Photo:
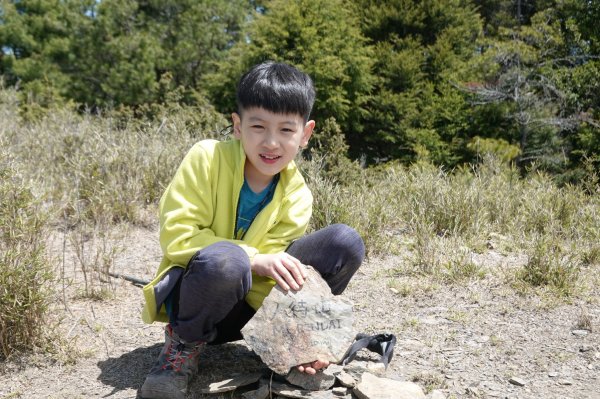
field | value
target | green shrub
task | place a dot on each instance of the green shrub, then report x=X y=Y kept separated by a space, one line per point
x=550 y=265
x=25 y=273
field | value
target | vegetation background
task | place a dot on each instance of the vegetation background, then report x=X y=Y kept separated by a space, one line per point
x=445 y=128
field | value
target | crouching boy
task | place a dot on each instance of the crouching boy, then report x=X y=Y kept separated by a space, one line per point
x=232 y=224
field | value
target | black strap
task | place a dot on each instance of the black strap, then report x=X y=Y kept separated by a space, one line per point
x=379 y=343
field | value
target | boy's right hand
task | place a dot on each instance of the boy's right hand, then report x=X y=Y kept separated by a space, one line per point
x=286 y=270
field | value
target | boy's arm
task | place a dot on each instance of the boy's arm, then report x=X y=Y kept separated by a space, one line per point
x=187 y=206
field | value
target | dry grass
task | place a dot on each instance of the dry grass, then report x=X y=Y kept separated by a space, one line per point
x=90 y=172
x=25 y=273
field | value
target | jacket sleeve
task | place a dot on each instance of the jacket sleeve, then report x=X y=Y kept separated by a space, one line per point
x=292 y=223
x=186 y=210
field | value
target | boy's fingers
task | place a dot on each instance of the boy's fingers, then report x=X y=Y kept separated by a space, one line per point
x=309 y=370
x=280 y=281
x=298 y=264
x=289 y=279
x=320 y=364
x=295 y=270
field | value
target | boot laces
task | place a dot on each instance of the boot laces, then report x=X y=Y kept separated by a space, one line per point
x=178 y=354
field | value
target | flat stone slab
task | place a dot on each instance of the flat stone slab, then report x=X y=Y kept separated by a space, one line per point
x=288 y=391
x=372 y=387
x=232 y=384
x=261 y=393
x=302 y=326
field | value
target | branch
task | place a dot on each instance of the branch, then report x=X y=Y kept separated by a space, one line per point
x=584 y=117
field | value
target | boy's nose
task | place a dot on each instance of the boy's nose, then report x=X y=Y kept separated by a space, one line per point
x=270 y=141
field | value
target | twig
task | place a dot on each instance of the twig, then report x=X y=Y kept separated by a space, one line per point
x=131 y=279
x=73 y=326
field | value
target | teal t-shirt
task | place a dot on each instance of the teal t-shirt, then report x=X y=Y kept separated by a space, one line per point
x=250 y=204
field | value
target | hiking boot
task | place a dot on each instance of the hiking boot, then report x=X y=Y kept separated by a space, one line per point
x=175 y=367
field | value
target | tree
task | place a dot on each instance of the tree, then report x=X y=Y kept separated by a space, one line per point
x=531 y=71
x=420 y=48
x=35 y=43
x=135 y=48
x=320 y=37
x=104 y=53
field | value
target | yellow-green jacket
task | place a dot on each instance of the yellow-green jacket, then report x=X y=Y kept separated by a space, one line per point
x=199 y=207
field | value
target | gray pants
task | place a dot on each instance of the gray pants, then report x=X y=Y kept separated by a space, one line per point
x=207 y=303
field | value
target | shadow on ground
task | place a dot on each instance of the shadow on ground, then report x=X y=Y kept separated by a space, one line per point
x=129 y=370
x=217 y=363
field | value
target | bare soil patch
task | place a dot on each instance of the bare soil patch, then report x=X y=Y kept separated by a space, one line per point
x=468 y=338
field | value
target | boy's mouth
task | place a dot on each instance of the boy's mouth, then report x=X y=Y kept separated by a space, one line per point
x=269 y=158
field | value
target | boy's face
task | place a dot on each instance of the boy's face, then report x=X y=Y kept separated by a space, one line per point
x=270 y=141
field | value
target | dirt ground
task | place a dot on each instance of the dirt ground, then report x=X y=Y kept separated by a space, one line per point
x=468 y=339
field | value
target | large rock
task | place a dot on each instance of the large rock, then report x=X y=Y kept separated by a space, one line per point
x=302 y=326
x=372 y=387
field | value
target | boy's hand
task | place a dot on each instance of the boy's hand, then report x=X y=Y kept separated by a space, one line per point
x=286 y=270
x=312 y=368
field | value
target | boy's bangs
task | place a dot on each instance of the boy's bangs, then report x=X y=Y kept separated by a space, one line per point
x=276 y=97
x=276 y=87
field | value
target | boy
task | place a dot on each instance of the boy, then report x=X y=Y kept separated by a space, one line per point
x=231 y=227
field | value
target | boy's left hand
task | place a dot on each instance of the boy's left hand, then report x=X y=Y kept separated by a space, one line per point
x=312 y=368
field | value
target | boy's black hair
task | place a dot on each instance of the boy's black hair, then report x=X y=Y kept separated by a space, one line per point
x=276 y=87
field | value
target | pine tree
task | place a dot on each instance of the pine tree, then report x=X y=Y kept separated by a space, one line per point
x=320 y=37
x=421 y=48
x=107 y=53
x=35 y=43
x=531 y=71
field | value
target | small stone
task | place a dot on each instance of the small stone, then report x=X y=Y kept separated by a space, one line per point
x=565 y=382
x=289 y=391
x=372 y=387
x=395 y=291
x=517 y=381
x=580 y=333
x=298 y=327
x=436 y=394
x=472 y=391
x=483 y=339
x=340 y=391
x=585 y=348
x=552 y=374
x=261 y=393
x=346 y=379
x=321 y=381
x=376 y=368
x=335 y=368
x=357 y=368
x=232 y=384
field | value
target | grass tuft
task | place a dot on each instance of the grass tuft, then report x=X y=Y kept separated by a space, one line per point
x=25 y=272
x=550 y=265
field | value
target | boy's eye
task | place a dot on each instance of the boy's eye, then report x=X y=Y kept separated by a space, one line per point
x=286 y=130
x=257 y=127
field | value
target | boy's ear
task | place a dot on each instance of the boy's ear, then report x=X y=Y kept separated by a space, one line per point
x=237 y=125
x=308 y=131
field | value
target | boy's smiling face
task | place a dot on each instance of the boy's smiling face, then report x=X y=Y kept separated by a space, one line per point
x=270 y=142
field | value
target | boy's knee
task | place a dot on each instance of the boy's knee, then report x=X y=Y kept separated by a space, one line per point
x=348 y=240
x=223 y=260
